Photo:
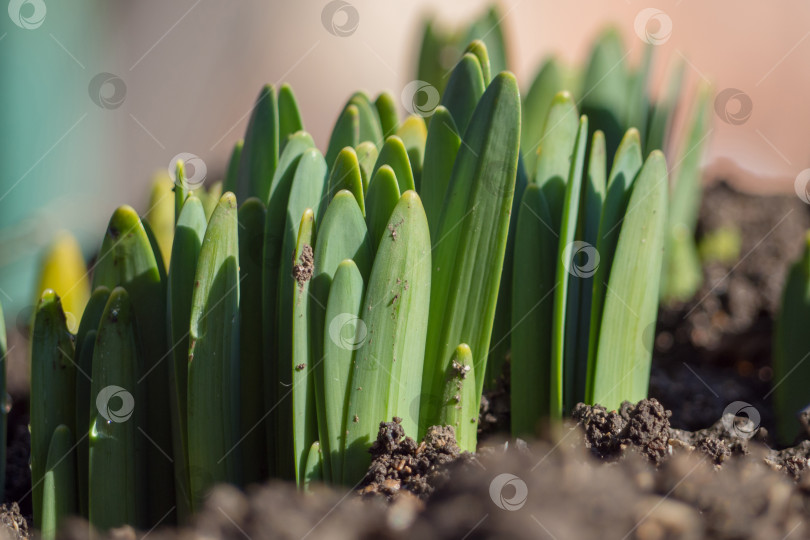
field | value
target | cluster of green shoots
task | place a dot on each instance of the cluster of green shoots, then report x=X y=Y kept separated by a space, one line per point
x=265 y=327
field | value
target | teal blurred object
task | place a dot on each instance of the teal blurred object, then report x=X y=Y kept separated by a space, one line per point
x=55 y=138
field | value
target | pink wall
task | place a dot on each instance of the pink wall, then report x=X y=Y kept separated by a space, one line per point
x=193 y=68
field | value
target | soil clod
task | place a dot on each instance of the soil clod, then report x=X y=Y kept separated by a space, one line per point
x=400 y=464
x=302 y=271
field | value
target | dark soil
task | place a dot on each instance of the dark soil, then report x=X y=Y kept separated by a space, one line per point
x=644 y=426
x=555 y=489
x=494 y=415
x=401 y=464
x=17 y=489
x=716 y=349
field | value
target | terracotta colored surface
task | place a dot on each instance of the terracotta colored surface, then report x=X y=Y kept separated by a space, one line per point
x=191 y=82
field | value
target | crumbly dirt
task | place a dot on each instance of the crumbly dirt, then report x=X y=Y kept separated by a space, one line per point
x=644 y=426
x=553 y=489
x=401 y=464
x=13 y=525
x=303 y=269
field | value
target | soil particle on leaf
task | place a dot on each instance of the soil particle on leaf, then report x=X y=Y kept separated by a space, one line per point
x=644 y=426
x=393 y=228
x=400 y=464
x=303 y=269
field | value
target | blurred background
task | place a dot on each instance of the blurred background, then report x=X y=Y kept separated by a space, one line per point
x=99 y=95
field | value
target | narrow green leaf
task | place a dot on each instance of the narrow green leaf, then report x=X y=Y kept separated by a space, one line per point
x=469 y=252
x=344 y=332
x=626 y=166
x=790 y=371
x=127 y=258
x=366 y=156
x=231 y=174
x=441 y=148
x=161 y=213
x=388 y=367
x=211 y=198
x=296 y=145
x=532 y=313
x=118 y=493
x=53 y=383
x=502 y=325
x=345 y=133
x=554 y=154
x=313 y=472
x=253 y=446
x=683 y=274
x=301 y=372
x=289 y=117
x=213 y=376
x=346 y=175
x=459 y=402
x=260 y=153
x=479 y=49
x=393 y=153
x=60 y=491
x=489 y=30
x=155 y=247
x=370 y=128
x=181 y=190
x=306 y=193
x=545 y=86
x=605 y=95
x=594 y=197
x=342 y=235
x=622 y=367
x=383 y=195
x=182 y=270
x=569 y=275
x=386 y=107
x=275 y=231
x=637 y=94
x=413 y=133
x=464 y=89
x=83 y=357
x=429 y=67
x=660 y=120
